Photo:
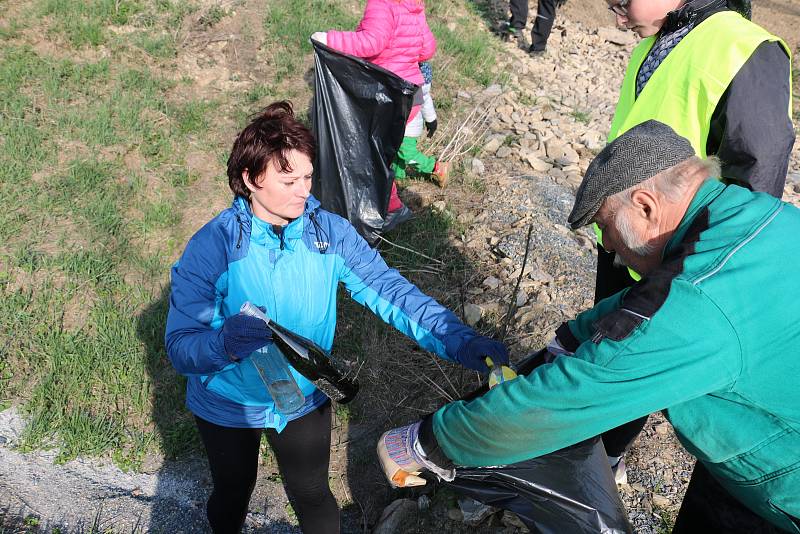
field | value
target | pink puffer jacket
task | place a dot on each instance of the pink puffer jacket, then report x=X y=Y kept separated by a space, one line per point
x=393 y=34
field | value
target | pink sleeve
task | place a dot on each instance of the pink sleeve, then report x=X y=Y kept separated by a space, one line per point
x=428 y=43
x=372 y=35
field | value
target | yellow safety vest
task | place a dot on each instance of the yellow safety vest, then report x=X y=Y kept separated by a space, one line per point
x=686 y=87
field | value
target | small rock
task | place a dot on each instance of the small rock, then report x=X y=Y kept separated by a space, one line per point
x=439 y=205
x=503 y=152
x=474 y=512
x=510 y=519
x=660 y=501
x=472 y=314
x=492 y=145
x=568 y=157
x=463 y=95
x=491 y=282
x=613 y=35
x=537 y=164
x=492 y=90
x=478 y=168
x=662 y=429
x=395 y=516
x=424 y=502
x=522 y=299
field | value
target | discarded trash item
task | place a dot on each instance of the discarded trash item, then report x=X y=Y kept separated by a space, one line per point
x=358 y=117
x=311 y=361
x=498 y=375
x=474 y=512
x=274 y=370
x=568 y=491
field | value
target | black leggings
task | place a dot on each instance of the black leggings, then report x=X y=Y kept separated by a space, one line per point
x=302 y=450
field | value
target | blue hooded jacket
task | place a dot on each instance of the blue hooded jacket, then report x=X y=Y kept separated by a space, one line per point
x=237 y=257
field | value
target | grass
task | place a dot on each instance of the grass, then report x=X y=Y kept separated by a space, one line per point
x=581 y=116
x=96 y=123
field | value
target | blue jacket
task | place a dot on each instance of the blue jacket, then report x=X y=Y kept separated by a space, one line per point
x=237 y=257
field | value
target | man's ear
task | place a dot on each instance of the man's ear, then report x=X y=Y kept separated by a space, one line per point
x=646 y=205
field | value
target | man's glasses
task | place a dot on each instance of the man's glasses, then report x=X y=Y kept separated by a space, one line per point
x=621 y=8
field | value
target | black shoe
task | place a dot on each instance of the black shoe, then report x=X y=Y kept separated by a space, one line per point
x=395 y=218
x=522 y=41
x=536 y=53
x=503 y=30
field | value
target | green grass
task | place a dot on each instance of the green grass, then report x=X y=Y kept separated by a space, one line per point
x=581 y=116
x=95 y=129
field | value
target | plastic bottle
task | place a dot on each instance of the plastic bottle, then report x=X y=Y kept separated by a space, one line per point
x=274 y=370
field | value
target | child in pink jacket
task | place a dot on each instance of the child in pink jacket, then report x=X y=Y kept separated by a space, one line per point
x=393 y=34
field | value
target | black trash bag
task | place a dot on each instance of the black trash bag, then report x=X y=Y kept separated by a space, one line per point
x=359 y=118
x=567 y=491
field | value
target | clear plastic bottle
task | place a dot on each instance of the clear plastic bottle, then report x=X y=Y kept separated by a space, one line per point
x=274 y=370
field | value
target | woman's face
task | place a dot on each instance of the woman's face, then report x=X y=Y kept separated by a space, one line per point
x=645 y=17
x=282 y=195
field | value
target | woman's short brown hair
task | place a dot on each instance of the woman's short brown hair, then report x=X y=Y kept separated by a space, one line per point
x=270 y=134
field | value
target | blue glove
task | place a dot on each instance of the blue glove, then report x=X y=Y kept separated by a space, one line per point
x=242 y=335
x=473 y=353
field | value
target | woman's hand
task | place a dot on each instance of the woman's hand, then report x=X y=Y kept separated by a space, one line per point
x=473 y=353
x=243 y=334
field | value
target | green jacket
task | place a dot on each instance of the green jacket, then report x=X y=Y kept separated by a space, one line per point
x=712 y=337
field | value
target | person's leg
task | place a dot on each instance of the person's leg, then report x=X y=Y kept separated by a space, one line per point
x=545 y=16
x=619 y=439
x=233 y=460
x=302 y=450
x=708 y=507
x=519 y=13
x=410 y=154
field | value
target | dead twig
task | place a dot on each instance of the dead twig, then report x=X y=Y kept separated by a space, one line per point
x=512 y=304
x=440 y=262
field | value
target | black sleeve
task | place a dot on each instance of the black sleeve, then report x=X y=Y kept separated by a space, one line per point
x=751 y=131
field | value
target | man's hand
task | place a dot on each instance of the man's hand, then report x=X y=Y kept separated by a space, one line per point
x=431 y=127
x=243 y=334
x=399 y=461
x=473 y=353
x=320 y=37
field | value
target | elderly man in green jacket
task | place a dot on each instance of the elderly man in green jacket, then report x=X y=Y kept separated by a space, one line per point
x=710 y=335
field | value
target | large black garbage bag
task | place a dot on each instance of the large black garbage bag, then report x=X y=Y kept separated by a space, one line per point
x=568 y=491
x=359 y=117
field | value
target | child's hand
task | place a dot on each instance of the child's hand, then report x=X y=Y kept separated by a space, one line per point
x=431 y=127
x=320 y=37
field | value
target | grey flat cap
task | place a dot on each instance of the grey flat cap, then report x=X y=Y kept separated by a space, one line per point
x=638 y=154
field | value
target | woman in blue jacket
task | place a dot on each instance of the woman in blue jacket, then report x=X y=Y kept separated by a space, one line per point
x=277 y=248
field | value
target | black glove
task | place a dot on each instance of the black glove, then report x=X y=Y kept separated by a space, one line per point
x=431 y=127
x=242 y=335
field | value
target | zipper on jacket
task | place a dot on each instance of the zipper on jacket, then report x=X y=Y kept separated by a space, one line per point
x=279 y=232
x=239 y=241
